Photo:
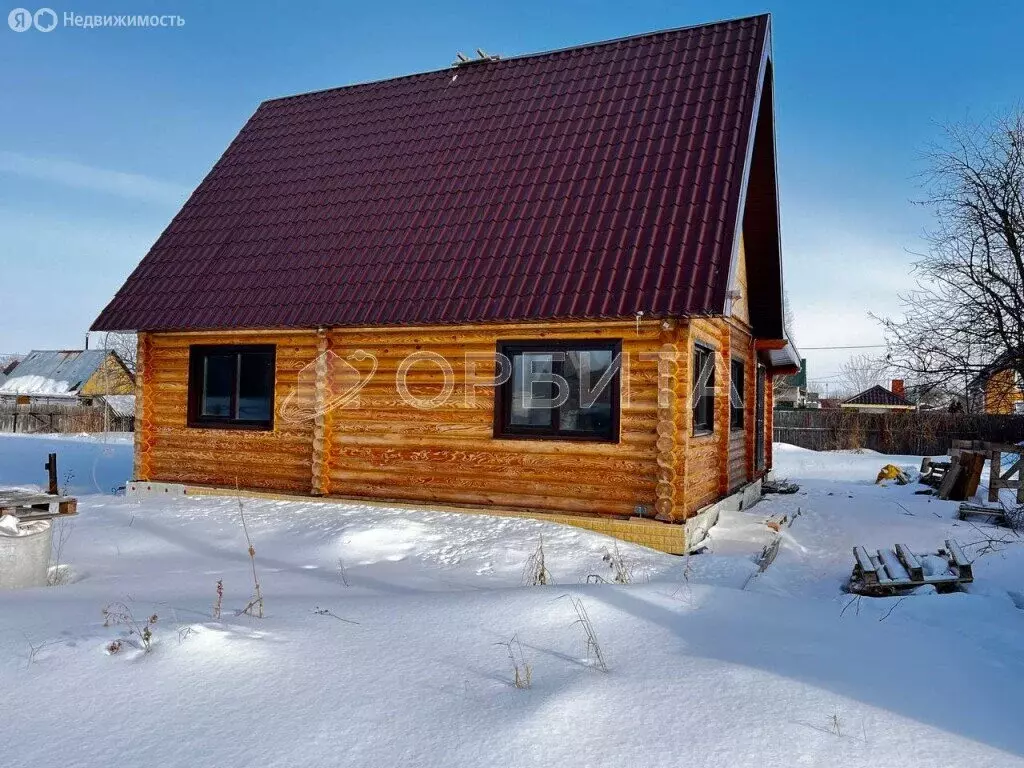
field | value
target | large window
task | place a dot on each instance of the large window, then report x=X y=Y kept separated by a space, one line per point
x=231 y=387
x=703 y=390
x=737 y=398
x=559 y=390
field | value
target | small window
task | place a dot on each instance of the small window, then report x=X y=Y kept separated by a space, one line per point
x=231 y=387
x=703 y=390
x=737 y=398
x=559 y=390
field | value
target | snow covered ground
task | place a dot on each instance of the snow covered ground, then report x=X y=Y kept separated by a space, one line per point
x=381 y=640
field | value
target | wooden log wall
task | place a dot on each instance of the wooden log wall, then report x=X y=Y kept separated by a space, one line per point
x=171 y=451
x=340 y=431
x=741 y=441
x=383 y=447
x=707 y=455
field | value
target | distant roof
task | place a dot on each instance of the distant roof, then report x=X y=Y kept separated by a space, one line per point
x=121 y=405
x=53 y=372
x=592 y=182
x=878 y=395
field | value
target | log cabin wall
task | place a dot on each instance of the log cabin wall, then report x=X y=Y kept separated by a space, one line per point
x=382 y=447
x=706 y=456
x=168 y=450
x=741 y=441
x=375 y=444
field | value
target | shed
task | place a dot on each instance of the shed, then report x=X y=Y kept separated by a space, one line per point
x=68 y=376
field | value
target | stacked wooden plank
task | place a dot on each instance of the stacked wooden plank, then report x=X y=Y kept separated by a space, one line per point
x=31 y=505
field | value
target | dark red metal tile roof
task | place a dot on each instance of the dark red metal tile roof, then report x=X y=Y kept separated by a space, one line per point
x=592 y=182
x=877 y=395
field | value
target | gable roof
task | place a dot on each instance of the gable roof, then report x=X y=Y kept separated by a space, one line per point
x=591 y=182
x=878 y=395
x=53 y=373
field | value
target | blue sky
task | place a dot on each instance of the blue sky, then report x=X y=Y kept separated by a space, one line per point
x=106 y=131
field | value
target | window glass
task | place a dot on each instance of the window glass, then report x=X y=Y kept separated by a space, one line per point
x=703 y=390
x=255 y=386
x=532 y=390
x=589 y=405
x=560 y=389
x=736 y=395
x=218 y=385
x=231 y=386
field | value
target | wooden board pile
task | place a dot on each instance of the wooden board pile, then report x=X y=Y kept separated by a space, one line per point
x=33 y=505
x=958 y=478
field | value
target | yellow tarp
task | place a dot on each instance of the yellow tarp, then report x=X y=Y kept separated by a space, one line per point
x=892 y=472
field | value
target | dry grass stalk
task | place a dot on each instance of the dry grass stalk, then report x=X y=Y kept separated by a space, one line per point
x=220 y=599
x=622 y=571
x=255 y=604
x=594 y=654
x=522 y=671
x=536 y=572
x=57 y=574
x=120 y=614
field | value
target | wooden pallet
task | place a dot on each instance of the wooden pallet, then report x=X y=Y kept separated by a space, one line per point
x=31 y=505
x=996 y=515
x=890 y=572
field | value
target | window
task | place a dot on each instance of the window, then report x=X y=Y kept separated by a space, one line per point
x=703 y=390
x=737 y=397
x=559 y=390
x=231 y=387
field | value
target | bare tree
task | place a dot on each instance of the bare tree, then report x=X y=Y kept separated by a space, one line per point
x=967 y=313
x=862 y=372
x=124 y=344
x=789 y=317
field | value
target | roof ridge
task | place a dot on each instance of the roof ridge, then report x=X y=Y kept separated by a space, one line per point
x=521 y=56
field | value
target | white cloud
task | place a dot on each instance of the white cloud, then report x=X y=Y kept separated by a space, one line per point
x=80 y=176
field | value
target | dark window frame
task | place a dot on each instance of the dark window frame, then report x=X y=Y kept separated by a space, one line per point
x=504 y=430
x=702 y=428
x=196 y=354
x=737 y=416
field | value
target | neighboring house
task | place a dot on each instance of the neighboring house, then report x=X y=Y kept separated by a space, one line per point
x=71 y=376
x=328 y=312
x=998 y=389
x=878 y=399
x=791 y=391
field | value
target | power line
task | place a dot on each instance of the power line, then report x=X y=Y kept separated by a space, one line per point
x=853 y=346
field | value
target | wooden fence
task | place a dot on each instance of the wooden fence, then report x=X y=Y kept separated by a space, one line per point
x=62 y=418
x=915 y=433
